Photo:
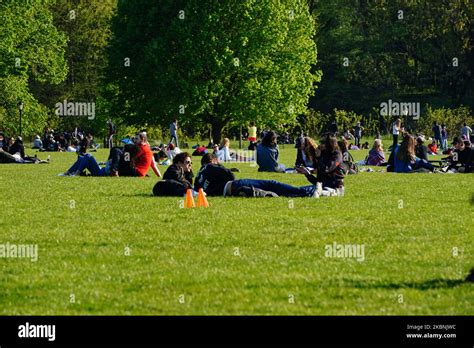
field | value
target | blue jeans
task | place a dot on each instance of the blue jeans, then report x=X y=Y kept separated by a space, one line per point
x=279 y=188
x=87 y=161
x=174 y=137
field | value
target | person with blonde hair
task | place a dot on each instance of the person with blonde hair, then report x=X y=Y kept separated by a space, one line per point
x=223 y=153
x=376 y=156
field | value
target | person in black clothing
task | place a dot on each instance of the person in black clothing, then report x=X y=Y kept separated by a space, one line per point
x=330 y=172
x=177 y=179
x=333 y=127
x=17 y=147
x=212 y=177
x=216 y=180
x=437 y=133
x=421 y=151
x=122 y=160
x=462 y=158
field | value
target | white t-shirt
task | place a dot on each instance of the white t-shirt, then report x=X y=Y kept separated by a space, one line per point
x=396 y=130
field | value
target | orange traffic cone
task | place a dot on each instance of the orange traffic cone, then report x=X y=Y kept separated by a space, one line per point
x=202 y=200
x=189 y=200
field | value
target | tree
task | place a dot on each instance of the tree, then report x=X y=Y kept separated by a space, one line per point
x=227 y=61
x=31 y=49
x=87 y=26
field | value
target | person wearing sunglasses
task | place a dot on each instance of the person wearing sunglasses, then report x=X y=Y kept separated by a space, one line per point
x=181 y=170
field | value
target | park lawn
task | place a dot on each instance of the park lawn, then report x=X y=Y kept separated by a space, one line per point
x=239 y=257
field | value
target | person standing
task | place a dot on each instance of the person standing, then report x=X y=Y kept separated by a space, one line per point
x=174 y=132
x=358 y=133
x=110 y=133
x=396 y=128
x=252 y=133
x=437 y=133
x=466 y=131
x=444 y=137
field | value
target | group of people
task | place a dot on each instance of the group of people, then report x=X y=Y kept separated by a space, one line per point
x=133 y=159
x=324 y=171
x=12 y=150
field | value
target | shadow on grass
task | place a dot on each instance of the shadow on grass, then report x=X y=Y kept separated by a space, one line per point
x=147 y=195
x=423 y=285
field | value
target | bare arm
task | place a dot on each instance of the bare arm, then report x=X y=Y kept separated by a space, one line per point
x=154 y=167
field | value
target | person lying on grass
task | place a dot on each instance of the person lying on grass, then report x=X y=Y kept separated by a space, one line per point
x=134 y=162
x=403 y=158
x=14 y=152
x=329 y=166
x=217 y=180
x=178 y=178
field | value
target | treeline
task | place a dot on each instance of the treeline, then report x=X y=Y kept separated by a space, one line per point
x=219 y=64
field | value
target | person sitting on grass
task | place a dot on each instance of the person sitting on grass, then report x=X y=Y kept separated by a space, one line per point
x=421 y=151
x=216 y=180
x=347 y=160
x=268 y=153
x=306 y=153
x=85 y=161
x=178 y=178
x=403 y=158
x=462 y=158
x=223 y=152
x=376 y=156
x=433 y=148
x=135 y=162
x=329 y=171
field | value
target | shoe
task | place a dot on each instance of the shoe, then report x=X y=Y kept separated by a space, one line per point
x=114 y=172
x=64 y=174
x=319 y=188
x=263 y=193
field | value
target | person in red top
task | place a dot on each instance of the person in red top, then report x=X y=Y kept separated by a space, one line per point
x=144 y=159
x=433 y=148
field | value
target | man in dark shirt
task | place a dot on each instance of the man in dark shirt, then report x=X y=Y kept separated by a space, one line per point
x=462 y=158
x=217 y=180
x=437 y=133
x=421 y=151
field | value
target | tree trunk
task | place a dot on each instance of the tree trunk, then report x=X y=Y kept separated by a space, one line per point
x=216 y=131
x=217 y=126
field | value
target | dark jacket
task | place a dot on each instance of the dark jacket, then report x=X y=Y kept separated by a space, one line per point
x=212 y=179
x=174 y=172
x=330 y=171
x=421 y=151
x=17 y=147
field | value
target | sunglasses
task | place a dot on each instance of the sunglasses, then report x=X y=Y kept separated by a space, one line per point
x=188 y=162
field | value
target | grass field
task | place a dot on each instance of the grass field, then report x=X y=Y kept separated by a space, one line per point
x=107 y=247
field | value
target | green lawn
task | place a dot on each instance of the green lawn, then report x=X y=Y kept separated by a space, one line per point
x=408 y=224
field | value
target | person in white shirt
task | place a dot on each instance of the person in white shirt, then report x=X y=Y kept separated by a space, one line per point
x=396 y=128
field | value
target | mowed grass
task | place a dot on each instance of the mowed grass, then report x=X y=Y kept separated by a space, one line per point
x=240 y=256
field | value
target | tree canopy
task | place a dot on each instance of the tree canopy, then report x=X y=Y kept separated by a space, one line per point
x=228 y=61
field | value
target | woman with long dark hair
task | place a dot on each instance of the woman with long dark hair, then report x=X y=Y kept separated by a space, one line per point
x=329 y=170
x=268 y=153
x=403 y=158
